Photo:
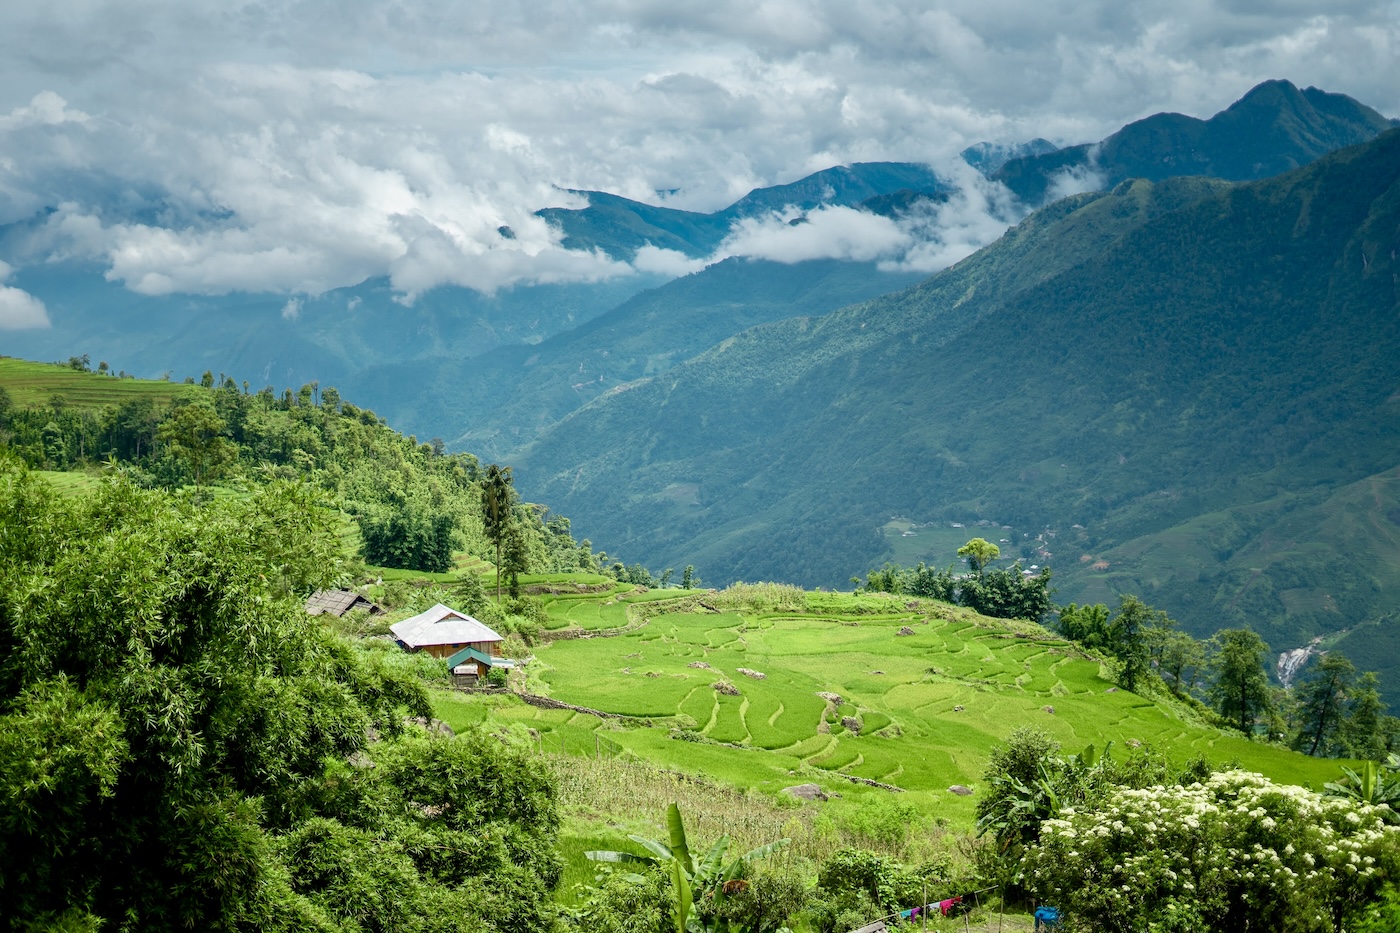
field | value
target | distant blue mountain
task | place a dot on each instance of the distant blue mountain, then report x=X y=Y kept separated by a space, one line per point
x=620 y=227
x=1273 y=129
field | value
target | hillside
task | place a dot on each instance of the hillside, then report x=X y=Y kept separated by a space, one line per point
x=1129 y=362
x=501 y=399
x=1272 y=129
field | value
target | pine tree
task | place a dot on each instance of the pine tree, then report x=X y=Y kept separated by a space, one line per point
x=497 y=495
x=1322 y=704
x=1241 y=688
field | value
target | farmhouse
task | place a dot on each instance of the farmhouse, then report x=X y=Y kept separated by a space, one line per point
x=339 y=602
x=470 y=647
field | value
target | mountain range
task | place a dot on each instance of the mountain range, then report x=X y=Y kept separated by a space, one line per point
x=1173 y=382
x=1183 y=389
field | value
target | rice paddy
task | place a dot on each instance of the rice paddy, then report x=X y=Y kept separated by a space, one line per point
x=850 y=691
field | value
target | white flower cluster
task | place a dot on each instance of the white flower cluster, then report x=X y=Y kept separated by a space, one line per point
x=1236 y=846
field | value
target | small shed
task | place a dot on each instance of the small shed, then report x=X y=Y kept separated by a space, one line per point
x=470 y=647
x=339 y=602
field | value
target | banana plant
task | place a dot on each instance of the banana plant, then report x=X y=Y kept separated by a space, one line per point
x=708 y=875
x=1374 y=784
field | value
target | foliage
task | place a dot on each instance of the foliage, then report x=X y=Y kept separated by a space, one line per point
x=1322 y=704
x=1127 y=357
x=1003 y=593
x=979 y=553
x=1232 y=853
x=182 y=746
x=707 y=880
x=1240 y=690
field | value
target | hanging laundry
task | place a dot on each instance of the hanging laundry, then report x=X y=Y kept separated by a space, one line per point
x=946 y=907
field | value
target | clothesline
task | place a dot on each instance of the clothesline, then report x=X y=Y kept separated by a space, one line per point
x=912 y=913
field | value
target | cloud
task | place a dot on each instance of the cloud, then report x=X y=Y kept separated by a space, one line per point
x=823 y=233
x=653 y=259
x=19 y=310
x=45 y=109
x=292 y=309
x=283 y=146
x=1076 y=179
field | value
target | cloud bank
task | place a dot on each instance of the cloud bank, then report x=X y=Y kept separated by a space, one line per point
x=19 y=310
x=293 y=147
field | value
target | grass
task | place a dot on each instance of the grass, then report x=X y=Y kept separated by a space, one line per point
x=931 y=705
x=32 y=384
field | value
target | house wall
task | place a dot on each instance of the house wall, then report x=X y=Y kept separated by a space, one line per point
x=493 y=648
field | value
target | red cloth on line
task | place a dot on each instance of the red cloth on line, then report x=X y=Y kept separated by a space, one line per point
x=949 y=904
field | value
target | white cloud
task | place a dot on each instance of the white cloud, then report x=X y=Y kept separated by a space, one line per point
x=823 y=233
x=291 y=146
x=292 y=309
x=45 y=109
x=670 y=262
x=19 y=310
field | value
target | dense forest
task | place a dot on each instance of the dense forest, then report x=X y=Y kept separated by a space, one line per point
x=413 y=504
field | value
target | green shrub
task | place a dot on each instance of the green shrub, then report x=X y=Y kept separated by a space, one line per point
x=1238 y=852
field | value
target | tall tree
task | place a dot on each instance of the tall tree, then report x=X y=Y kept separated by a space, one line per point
x=193 y=433
x=1366 y=731
x=979 y=553
x=497 y=498
x=517 y=558
x=1241 y=688
x=1129 y=640
x=1322 y=703
x=1180 y=653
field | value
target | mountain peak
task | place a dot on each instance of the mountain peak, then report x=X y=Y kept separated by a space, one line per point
x=1272 y=128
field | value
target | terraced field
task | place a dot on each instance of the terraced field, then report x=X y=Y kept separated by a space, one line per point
x=918 y=711
x=31 y=383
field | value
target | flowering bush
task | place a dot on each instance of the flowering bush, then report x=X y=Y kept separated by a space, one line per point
x=1235 y=853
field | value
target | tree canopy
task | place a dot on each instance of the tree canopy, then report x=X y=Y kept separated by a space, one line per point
x=182 y=746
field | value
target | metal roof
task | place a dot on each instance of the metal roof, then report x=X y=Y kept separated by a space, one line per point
x=338 y=602
x=441 y=626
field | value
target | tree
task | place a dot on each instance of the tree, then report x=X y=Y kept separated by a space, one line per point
x=1322 y=703
x=497 y=501
x=1087 y=624
x=1241 y=688
x=1128 y=639
x=193 y=434
x=1366 y=731
x=516 y=557
x=688 y=580
x=979 y=553
x=1180 y=653
x=176 y=735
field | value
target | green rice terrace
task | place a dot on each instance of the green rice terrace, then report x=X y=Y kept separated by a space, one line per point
x=764 y=687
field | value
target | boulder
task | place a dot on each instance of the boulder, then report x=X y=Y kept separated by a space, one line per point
x=805 y=792
x=962 y=790
x=905 y=630
x=851 y=724
x=725 y=687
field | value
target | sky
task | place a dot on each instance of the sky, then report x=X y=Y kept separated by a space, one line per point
x=194 y=146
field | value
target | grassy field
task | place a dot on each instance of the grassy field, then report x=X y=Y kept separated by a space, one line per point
x=927 y=707
x=31 y=383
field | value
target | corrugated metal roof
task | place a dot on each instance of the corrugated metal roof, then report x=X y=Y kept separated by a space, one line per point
x=441 y=625
x=338 y=602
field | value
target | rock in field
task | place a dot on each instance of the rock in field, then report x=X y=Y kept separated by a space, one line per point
x=805 y=792
x=851 y=724
x=962 y=790
x=906 y=630
x=756 y=675
x=725 y=687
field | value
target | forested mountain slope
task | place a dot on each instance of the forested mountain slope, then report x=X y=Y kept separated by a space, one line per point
x=1137 y=363
x=498 y=401
x=1272 y=129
